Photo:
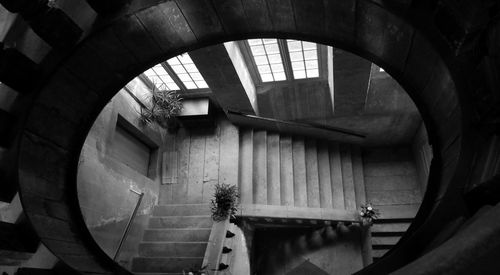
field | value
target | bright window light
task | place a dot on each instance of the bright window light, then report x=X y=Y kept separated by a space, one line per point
x=380 y=69
x=160 y=78
x=187 y=72
x=304 y=58
x=266 y=54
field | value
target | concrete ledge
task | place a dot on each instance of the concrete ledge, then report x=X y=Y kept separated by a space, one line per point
x=397 y=211
x=291 y=212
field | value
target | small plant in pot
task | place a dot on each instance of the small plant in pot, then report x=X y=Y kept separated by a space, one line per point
x=225 y=202
x=368 y=214
x=164 y=106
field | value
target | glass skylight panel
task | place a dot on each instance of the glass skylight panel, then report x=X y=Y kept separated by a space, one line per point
x=304 y=58
x=266 y=54
x=187 y=72
x=160 y=78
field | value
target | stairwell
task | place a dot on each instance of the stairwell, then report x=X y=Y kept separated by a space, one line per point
x=281 y=178
x=390 y=227
x=175 y=240
x=295 y=171
x=385 y=234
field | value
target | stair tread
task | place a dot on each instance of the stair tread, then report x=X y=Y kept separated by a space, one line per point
x=164 y=234
x=166 y=222
x=377 y=253
x=390 y=227
x=181 y=210
x=384 y=240
x=173 y=249
x=165 y=264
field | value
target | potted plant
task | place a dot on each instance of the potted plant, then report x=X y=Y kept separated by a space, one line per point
x=368 y=214
x=164 y=106
x=224 y=203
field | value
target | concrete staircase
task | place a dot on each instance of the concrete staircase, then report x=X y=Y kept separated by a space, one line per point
x=278 y=169
x=385 y=235
x=390 y=227
x=175 y=240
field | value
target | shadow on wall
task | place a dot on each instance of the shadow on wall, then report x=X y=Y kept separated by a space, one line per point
x=316 y=251
x=115 y=160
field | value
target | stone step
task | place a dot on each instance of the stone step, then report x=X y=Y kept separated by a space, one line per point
x=389 y=229
x=384 y=241
x=378 y=253
x=181 y=222
x=181 y=210
x=165 y=264
x=178 y=235
x=172 y=249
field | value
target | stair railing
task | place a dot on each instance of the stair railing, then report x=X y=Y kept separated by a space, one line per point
x=303 y=124
x=129 y=223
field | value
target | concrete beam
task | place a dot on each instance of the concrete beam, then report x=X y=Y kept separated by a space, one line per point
x=331 y=82
x=16 y=69
x=49 y=22
x=351 y=75
x=6 y=125
x=218 y=69
x=243 y=73
x=292 y=212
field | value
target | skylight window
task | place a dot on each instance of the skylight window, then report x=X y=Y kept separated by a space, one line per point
x=160 y=78
x=187 y=72
x=266 y=54
x=304 y=58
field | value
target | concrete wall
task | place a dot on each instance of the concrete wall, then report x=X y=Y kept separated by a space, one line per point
x=195 y=160
x=391 y=177
x=104 y=182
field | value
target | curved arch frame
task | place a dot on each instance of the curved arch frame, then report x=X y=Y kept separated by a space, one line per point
x=101 y=64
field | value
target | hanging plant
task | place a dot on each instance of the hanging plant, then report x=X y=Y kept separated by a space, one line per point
x=368 y=214
x=164 y=106
x=224 y=203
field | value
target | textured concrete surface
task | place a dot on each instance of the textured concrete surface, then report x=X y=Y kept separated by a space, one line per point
x=420 y=57
x=104 y=182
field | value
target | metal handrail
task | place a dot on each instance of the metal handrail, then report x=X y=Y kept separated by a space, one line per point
x=300 y=124
x=130 y=220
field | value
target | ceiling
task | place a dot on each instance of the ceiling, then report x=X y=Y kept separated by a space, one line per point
x=349 y=92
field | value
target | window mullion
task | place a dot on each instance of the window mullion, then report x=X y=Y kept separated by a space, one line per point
x=147 y=81
x=285 y=58
x=174 y=76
